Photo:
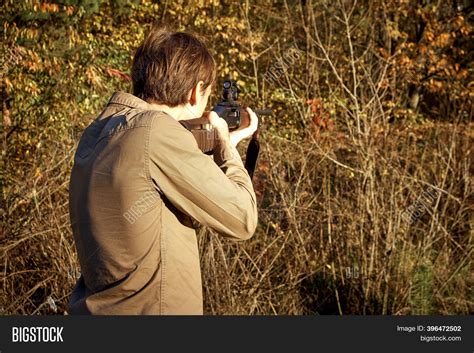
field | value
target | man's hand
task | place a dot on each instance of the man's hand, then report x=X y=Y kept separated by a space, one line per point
x=219 y=124
x=235 y=136
x=239 y=135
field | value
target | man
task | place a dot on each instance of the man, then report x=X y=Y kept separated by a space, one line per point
x=139 y=180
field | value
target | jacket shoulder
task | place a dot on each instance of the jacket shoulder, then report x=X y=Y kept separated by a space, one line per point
x=164 y=129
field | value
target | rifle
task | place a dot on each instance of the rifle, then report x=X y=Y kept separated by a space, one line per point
x=236 y=117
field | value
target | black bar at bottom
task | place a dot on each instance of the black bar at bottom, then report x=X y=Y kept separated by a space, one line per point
x=246 y=334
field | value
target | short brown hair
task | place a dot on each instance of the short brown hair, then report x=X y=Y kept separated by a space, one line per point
x=169 y=64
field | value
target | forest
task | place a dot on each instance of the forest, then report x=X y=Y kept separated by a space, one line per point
x=365 y=177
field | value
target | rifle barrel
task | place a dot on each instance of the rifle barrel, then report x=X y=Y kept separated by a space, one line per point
x=263 y=111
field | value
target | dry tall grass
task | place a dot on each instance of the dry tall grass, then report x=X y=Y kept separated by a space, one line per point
x=332 y=239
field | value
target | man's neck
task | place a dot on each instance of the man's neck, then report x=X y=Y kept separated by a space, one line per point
x=175 y=112
x=180 y=112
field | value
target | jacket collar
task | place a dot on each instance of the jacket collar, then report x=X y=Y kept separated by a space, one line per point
x=131 y=101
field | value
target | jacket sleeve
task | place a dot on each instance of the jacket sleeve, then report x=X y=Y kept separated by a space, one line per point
x=217 y=193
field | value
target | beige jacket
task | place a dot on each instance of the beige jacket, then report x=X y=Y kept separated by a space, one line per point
x=138 y=181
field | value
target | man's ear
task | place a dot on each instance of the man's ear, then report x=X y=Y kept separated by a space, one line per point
x=198 y=89
x=193 y=95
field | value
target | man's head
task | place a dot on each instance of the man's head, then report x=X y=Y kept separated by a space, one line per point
x=173 y=69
